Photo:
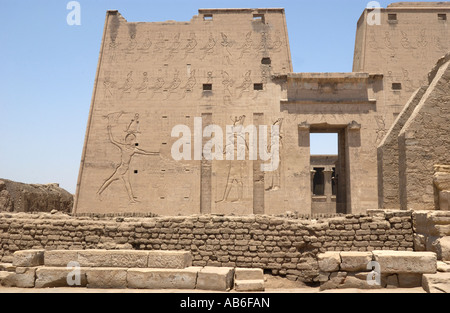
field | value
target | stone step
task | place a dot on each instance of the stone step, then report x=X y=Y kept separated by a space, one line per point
x=119 y=258
x=249 y=285
x=249 y=274
x=406 y=262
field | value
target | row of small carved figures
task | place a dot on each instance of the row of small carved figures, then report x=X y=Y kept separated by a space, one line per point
x=161 y=44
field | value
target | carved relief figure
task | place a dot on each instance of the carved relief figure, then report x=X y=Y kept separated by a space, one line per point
x=405 y=41
x=174 y=47
x=158 y=87
x=173 y=86
x=381 y=131
x=235 y=168
x=247 y=46
x=128 y=85
x=246 y=84
x=209 y=47
x=113 y=45
x=143 y=88
x=128 y=149
x=226 y=44
x=191 y=45
x=190 y=84
x=277 y=43
x=160 y=43
x=274 y=178
x=108 y=88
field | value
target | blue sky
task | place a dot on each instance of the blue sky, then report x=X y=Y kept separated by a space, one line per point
x=48 y=70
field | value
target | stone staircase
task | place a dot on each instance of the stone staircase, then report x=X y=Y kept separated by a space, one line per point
x=122 y=269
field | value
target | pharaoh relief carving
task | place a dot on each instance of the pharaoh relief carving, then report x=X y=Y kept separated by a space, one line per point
x=236 y=167
x=128 y=148
x=405 y=41
x=274 y=178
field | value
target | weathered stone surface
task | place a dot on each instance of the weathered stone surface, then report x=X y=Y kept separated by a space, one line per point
x=249 y=285
x=436 y=283
x=358 y=281
x=106 y=278
x=329 y=261
x=163 y=278
x=409 y=280
x=7 y=267
x=355 y=261
x=394 y=262
x=28 y=258
x=215 y=278
x=248 y=274
x=23 y=278
x=55 y=277
x=443 y=267
x=169 y=259
x=19 y=197
x=59 y=258
x=113 y=258
x=336 y=279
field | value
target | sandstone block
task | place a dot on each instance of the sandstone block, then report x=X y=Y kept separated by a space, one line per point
x=60 y=258
x=23 y=278
x=406 y=262
x=249 y=285
x=248 y=274
x=443 y=267
x=106 y=278
x=54 y=277
x=113 y=258
x=169 y=259
x=163 y=278
x=436 y=283
x=329 y=261
x=355 y=261
x=28 y=258
x=409 y=280
x=215 y=278
x=7 y=267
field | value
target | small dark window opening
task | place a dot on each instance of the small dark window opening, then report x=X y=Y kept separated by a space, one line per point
x=259 y=18
x=266 y=61
x=392 y=17
x=396 y=86
x=207 y=87
x=258 y=87
x=442 y=17
x=208 y=17
x=136 y=144
x=136 y=171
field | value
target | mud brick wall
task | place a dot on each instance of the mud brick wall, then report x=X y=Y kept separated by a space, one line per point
x=286 y=247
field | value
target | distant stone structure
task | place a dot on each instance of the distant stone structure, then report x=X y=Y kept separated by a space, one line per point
x=29 y=198
x=232 y=68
